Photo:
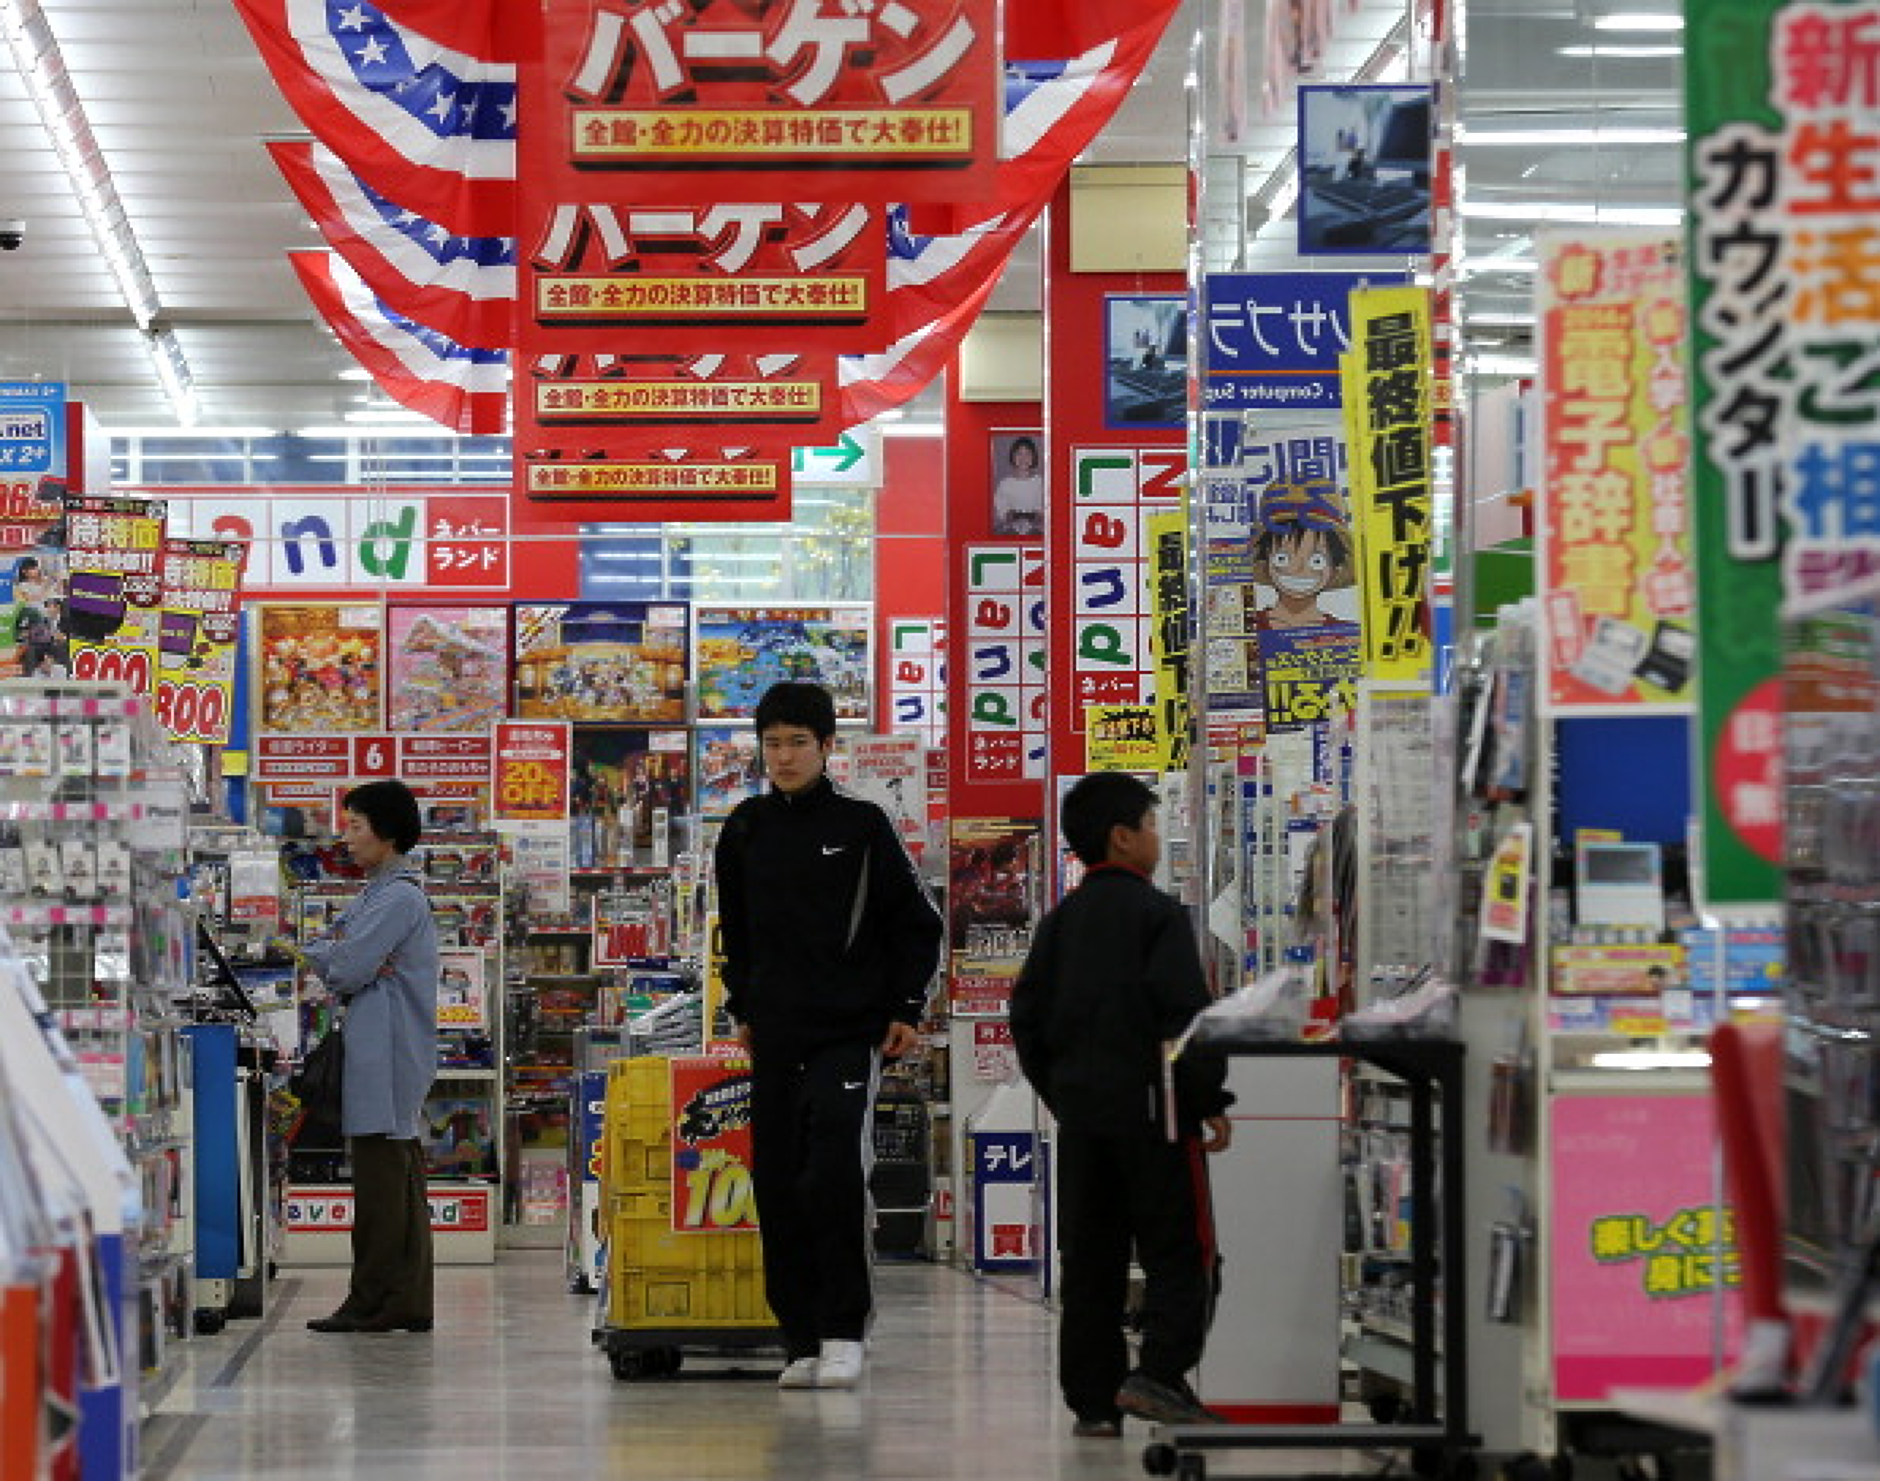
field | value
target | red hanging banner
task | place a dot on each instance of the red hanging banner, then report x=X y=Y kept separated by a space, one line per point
x=860 y=101
x=767 y=276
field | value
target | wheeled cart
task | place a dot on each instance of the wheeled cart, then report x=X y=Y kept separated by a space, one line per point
x=683 y=1270
x=1436 y=1428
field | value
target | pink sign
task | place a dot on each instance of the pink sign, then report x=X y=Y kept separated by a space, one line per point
x=1638 y=1253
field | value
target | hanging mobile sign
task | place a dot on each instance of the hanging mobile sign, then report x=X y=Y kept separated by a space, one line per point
x=643 y=104
x=196 y=638
x=1387 y=411
x=1275 y=338
x=761 y=276
x=1742 y=408
x=114 y=588
x=1615 y=521
x=694 y=486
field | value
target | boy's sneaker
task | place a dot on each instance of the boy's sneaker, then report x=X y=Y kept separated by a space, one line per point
x=1098 y=1427
x=840 y=1365
x=1164 y=1403
x=798 y=1373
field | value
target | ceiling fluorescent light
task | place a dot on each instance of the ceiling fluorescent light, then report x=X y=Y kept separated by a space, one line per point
x=1629 y=20
x=1651 y=1059
x=1605 y=50
x=1587 y=214
x=914 y=429
x=166 y=355
x=1560 y=138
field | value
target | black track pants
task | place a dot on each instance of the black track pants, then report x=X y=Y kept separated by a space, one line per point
x=1115 y=1193
x=812 y=1129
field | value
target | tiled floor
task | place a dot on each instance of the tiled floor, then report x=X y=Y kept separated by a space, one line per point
x=509 y=1386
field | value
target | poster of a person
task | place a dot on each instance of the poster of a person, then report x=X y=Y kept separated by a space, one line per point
x=1018 y=485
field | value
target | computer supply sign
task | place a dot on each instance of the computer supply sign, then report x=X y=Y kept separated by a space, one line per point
x=32 y=428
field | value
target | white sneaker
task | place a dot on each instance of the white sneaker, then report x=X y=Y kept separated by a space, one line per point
x=840 y=1365
x=801 y=1373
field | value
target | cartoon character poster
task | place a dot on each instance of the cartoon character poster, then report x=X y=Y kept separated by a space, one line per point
x=742 y=651
x=320 y=667
x=617 y=661
x=730 y=768
x=624 y=779
x=449 y=668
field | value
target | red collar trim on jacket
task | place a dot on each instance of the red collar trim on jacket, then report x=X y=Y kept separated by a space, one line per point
x=1108 y=868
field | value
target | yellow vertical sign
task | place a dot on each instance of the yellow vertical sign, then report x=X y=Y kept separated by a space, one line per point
x=1169 y=640
x=1386 y=378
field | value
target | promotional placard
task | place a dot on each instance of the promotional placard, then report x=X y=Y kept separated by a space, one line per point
x=196 y=638
x=698 y=485
x=113 y=588
x=643 y=105
x=917 y=678
x=992 y=906
x=622 y=661
x=1618 y=591
x=742 y=651
x=711 y=1146
x=1170 y=645
x=533 y=766
x=1275 y=338
x=729 y=768
x=449 y=668
x=1123 y=738
x=890 y=771
x=319 y=668
x=1387 y=415
x=463 y=997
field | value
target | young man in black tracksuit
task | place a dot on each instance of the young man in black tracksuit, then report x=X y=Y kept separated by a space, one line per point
x=1113 y=974
x=830 y=944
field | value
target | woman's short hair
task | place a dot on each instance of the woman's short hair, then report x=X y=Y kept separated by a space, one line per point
x=390 y=811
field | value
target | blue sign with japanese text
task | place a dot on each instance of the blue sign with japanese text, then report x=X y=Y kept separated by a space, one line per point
x=1273 y=339
x=32 y=427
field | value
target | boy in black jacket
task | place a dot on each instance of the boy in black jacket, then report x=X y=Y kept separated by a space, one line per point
x=1113 y=973
x=830 y=943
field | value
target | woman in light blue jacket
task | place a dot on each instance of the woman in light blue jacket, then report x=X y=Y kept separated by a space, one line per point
x=380 y=957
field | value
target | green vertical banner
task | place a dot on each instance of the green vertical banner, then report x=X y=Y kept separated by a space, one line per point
x=1742 y=389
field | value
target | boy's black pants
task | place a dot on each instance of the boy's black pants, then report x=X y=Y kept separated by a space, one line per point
x=812 y=1145
x=1134 y=1189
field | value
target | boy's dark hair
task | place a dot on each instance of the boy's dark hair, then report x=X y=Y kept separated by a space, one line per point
x=797 y=702
x=1097 y=803
x=390 y=811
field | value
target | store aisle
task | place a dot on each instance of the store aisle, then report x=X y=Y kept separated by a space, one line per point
x=508 y=1386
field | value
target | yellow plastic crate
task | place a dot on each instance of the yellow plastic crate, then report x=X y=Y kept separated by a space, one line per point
x=658 y=1278
x=638 y=1127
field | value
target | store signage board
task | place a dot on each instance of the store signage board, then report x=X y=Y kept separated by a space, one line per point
x=644 y=105
x=324 y=539
x=32 y=431
x=853 y=460
x=307 y=759
x=1170 y=646
x=1007 y=734
x=330 y=1210
x=1274 y=339
x=1742 y=385
x=1640 y=1250
x=917 y=678
x=1617 y=590
x=696 y=486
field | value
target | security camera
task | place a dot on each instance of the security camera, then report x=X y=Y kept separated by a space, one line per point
x=12 y=235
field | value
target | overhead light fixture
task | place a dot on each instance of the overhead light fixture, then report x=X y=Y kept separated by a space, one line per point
x=1602 y=50
x=395 y=416
x=1587 y=214
x=41 y=65
x=1562 y=138
x=1651 y=1059
x=1629 y=20
x=1514 y=365
x=1499 y=320
x=915 y=429
x=355 y=373
x=1488 y=267
x=226 y=434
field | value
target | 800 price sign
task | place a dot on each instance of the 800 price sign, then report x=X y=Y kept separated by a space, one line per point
x=194 y=712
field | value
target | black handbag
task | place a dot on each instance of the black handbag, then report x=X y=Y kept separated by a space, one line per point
x=319 y=1086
